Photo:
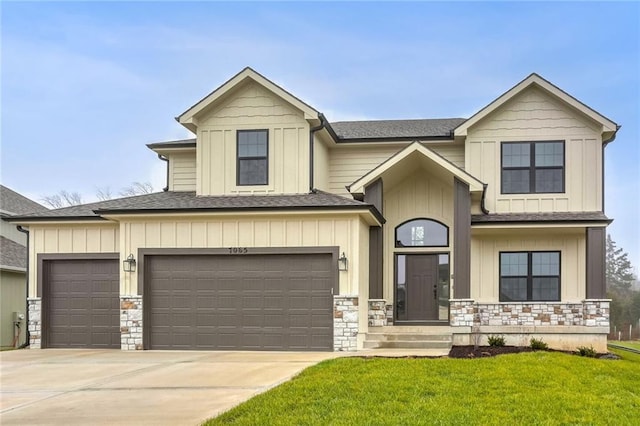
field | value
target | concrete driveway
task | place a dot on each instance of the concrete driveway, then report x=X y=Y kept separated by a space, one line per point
x=66 y=386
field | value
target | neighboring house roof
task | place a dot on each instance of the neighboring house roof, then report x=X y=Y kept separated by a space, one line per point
x=488 y=219
x=187 y=117
x=609 y=128
x=163 y=202
x=13 y=256
x=424 y=153
x=12 y=203
x=396 y=129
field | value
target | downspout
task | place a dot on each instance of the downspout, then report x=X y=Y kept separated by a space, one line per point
x=26 y=314
x=163 y=158
x=484 y=194
x=312 y=131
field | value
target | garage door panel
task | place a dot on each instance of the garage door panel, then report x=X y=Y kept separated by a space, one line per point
x=256 y=302
x=82 y=303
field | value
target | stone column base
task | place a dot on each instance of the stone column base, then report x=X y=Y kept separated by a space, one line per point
x=131 y=323
x=345 y=323
x=35 y=322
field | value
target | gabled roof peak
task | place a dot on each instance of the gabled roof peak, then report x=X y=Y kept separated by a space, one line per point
x=188 y=118
x=608 y=127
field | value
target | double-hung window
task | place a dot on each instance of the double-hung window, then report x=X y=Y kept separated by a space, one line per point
x=253 y=157
x=532 y=167
x=529 y=276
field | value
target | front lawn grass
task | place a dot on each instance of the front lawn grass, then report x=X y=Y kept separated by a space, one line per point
x=527 y=388
x=632 y=345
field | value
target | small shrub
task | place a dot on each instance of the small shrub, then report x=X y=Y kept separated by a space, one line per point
x=538 y=345
x=496 y=340
x=587 y=351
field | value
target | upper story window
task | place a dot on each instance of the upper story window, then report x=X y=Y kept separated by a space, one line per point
x=422 y=233
x=253 y=157
x=529 y=276
x=532 y=167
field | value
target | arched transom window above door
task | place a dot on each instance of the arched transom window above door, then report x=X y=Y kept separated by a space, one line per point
x=422 y=233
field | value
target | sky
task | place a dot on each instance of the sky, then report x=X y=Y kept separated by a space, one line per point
x=85 y=85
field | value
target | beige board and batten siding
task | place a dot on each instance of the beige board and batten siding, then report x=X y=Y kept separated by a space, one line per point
x=348 y=164
x=182 y=171
x=228 y=231
x=421 y=195
x=485 y=259
x=252 y=107
x=320 y=164
x=535 y=116
x=68 y=239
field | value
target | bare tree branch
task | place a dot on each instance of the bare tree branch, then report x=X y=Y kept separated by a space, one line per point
x=104 y=193
x=53 y=201
x=137 y=188
x=62 y=199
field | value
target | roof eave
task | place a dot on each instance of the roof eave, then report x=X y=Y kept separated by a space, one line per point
x=189 y=120
x=535 y=79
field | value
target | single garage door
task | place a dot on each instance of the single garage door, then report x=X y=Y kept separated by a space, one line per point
x=248 y=302
x=81 y=303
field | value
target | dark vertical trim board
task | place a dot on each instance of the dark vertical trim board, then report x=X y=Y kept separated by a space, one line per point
x=374 y=195
x=596 y=254
x=462 y=240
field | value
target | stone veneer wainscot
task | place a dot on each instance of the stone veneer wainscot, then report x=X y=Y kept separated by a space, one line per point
x=35 y=322
x=131 y=323
x=345 y=323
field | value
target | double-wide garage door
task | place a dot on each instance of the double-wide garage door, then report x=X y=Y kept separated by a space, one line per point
x=239 y=302
x=81 y=303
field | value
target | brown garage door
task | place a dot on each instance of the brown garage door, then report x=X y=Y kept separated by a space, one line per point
x=81 y=304
x=249 y=302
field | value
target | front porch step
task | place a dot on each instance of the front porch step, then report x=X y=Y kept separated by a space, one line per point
x=409 y=337
x=407 y=344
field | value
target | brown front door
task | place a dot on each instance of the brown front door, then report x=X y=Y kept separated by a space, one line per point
x=417 y=287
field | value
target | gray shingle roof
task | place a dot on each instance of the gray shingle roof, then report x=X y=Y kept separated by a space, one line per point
x=539 y=217
x=12 y=254
x=13 y=203
x=188 y=201
x=376 y=129
x=389 y=129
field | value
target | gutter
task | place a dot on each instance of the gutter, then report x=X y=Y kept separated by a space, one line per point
x=27 y=335
x=163 y=158
x=312 y=131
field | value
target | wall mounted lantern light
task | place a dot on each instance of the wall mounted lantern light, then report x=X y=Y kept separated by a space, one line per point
x=343 y=263
x=129 y=264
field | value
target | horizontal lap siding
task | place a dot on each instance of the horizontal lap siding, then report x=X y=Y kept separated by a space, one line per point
x=182 y=171
x=348 y=164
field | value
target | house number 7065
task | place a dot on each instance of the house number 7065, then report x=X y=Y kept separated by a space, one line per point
x=238 y=250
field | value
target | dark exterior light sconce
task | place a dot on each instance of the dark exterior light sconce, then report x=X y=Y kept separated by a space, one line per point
x=343 y=263
x=129 y=264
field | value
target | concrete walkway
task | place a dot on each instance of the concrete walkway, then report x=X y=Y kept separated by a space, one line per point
x=73 y=387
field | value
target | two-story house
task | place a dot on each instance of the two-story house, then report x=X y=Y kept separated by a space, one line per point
x=279 y=230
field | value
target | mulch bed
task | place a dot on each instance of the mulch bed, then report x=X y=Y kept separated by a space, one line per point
x=488 y=351
x=485 y=351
